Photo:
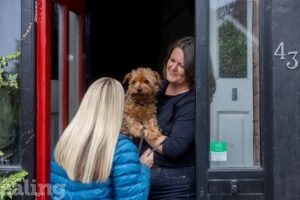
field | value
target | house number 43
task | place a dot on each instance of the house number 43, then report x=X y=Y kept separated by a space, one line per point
x=292 y=62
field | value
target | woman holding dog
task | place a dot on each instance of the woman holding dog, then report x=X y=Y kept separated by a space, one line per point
x=92 y=159
x=173 y=174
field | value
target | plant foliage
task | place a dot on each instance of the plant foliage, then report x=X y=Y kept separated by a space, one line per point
x=8 y=185
x=8 y=79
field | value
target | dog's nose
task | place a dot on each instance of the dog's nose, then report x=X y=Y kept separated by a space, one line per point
x=139 y=90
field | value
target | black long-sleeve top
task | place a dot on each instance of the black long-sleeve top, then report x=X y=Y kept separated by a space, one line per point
x=176 y=118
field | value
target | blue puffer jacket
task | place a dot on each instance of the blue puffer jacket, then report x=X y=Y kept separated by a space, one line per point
x=129 y=180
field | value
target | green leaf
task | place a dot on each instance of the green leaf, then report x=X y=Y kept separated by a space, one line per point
x=8 y=185
x=8 y=79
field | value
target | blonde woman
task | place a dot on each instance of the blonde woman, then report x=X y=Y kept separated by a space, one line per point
x=92 y=159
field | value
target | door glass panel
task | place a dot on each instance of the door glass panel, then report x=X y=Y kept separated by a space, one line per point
x=234 y=111
x=57 y=69
x=73 y=64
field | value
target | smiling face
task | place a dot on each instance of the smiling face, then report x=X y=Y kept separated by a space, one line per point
x=175 y=72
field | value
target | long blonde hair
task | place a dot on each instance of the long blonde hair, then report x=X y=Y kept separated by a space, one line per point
x=86 y=147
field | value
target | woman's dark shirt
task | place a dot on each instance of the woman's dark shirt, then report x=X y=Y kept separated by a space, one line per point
x=176 y=118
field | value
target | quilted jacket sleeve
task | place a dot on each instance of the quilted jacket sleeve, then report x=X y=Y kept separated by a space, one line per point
x=131 y=179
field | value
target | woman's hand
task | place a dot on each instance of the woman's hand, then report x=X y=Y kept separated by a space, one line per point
x=147 y=158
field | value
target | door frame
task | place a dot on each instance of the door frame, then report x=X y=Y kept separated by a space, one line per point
x=43 y=84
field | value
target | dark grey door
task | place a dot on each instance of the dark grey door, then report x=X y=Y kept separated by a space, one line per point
x=231 y=149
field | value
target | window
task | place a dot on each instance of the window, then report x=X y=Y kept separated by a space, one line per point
x=10 y=42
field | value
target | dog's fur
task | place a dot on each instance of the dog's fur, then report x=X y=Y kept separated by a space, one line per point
x=140 y=102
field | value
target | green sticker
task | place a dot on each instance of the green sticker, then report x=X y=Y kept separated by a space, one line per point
x=218 y=146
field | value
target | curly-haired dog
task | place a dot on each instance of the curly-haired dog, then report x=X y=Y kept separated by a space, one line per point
x=140 y=102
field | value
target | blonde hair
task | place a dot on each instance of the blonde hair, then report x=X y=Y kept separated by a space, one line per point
x=86 y=147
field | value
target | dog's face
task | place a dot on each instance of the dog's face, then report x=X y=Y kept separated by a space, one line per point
x=143 y=83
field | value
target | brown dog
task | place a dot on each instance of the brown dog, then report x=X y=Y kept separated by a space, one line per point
x=140 y=102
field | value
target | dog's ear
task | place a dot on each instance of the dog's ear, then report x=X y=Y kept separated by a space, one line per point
x=158 y=77
x=127 y=78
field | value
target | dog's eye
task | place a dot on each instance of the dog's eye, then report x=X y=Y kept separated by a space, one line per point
x=133 y=82
x=146 y=81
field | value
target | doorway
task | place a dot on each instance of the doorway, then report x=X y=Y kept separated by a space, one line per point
x=150 y=26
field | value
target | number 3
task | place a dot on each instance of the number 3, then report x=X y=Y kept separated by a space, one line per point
x=288 y=64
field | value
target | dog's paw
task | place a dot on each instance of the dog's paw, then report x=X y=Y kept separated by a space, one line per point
x=153 y=130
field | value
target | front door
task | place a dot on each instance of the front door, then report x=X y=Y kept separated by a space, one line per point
x=67 y=77
x=230 y=154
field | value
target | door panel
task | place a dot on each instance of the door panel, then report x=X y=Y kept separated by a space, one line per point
x=233 y=127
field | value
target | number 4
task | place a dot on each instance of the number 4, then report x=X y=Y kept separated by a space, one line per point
x=280 y=49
